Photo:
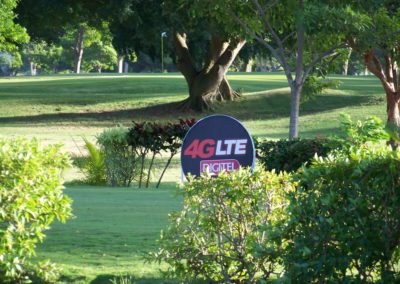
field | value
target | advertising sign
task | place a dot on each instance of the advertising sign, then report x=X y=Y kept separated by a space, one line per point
x=217 y=143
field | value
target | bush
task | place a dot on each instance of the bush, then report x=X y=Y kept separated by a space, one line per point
x=93 y=165
x=120 y=158
x=223 y=224
x=343 y=220
x=314 y=86
x=354 y=134
x=31 y=197
x=290 y=155
x=154 y=138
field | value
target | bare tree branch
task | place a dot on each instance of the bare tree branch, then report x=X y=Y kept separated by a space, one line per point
x=270 y=4
x=330 y=52
x=277 y=39
x=253 y=34
x=300 y=49
x=267 y=24
x=274 y=52
x=288 y=36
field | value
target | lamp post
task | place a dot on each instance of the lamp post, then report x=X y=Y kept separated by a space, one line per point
x=163 y=34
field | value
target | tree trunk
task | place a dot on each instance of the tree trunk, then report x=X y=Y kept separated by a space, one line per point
x=295 y=91
x=78 y=50
x=272 y=63
x=366 y=71
x=393 y=109
x=33 y=69
x=126 y=67
x=297 y=84
x=263 y=64
x=120 y=64
x=247 y=65
x=345 y=68
x=389 y=76
x=209 y=84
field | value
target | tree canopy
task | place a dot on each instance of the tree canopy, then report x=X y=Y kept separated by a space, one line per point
x=11 y=34
x=379 y=44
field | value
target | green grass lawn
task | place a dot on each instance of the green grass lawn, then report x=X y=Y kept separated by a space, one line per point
x=61 y=107
x=115 y=228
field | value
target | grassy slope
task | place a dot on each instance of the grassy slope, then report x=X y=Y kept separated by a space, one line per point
x=115 y=227
x=64 y=106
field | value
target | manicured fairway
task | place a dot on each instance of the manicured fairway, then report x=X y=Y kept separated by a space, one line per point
x=63 y=108
x=113 y=229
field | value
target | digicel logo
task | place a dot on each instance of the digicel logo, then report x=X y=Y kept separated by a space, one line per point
x=217 y=166
x=209 y=147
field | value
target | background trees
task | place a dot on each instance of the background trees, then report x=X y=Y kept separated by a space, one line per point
x=50 y=20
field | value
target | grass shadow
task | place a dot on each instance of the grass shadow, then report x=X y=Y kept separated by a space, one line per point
x=108 y=279
x=274 y=104
x=160 y=111
x=277 y=105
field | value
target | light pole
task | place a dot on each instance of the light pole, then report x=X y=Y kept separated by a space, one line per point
x=163 y=34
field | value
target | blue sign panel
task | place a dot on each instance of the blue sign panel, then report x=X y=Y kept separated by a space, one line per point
x=217 y=143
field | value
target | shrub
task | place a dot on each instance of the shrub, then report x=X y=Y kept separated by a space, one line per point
x=289 y=155
x=343 y=220
x=31 y=197
x=153 y=138
x=120 y=158
x=93 y=165
x=224 y=221
x=315 y=85
x=355 y=134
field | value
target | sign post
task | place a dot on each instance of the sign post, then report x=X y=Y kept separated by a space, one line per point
x=217 y=143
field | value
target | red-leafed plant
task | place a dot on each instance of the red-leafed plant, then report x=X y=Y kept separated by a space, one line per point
x=152 y=138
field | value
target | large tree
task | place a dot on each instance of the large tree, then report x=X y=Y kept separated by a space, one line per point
x=379 y=45
x=202 y=50
x=300 y=34
x=204 y=68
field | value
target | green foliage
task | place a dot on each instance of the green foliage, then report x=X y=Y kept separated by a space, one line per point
x=13 y=63
x=123 y=280
x=31 y=197
x=355 y=134
x=314 y=86
x=289 y=155
x=121 y=160
x=99 y=53
x=223 y=224
x=343 y=222
x=92 y=165
x=11 y=34
x=46 y=57
x=153 y=137
x=99 y=56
